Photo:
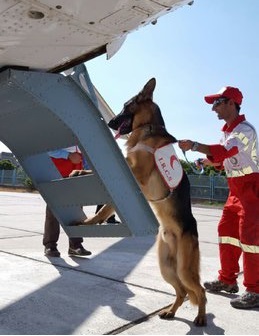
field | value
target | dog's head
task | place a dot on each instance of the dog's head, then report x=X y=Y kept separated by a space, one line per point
x=140 y=111
x=129 y=118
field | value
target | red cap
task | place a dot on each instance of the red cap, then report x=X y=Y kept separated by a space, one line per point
x=226 y=92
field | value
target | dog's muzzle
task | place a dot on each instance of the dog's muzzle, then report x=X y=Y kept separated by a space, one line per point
x=122 y=123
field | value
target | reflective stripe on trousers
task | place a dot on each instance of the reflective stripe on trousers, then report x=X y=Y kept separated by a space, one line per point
x=237 y=242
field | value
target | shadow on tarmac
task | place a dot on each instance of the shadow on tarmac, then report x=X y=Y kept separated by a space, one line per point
x=70 y=300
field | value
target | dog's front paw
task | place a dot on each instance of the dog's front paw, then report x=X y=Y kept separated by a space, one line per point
x=92 y=221
x=76 y=172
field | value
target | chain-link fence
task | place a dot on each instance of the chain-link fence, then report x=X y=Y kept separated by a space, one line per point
x=13 y=178
x=213 y=188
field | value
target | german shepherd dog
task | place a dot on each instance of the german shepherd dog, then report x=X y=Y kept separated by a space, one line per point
x=177 y=239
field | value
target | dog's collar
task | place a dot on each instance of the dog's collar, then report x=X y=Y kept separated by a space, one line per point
x=153 y=130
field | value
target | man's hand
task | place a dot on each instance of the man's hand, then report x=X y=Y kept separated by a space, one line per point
x=206 y=162
x=185 y=145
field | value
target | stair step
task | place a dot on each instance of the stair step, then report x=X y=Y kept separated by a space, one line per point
x=79 y=190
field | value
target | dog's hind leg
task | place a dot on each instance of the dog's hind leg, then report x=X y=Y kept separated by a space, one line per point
x=188 y=261
x=167 y=263
x=169 y=313
x=201 y=320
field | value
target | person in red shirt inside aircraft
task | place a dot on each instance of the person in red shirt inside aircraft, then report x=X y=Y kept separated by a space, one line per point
x=238 y=229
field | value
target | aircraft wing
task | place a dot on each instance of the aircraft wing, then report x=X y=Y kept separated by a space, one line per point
x=54 y=35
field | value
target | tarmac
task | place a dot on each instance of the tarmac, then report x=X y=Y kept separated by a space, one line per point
x=116 y=290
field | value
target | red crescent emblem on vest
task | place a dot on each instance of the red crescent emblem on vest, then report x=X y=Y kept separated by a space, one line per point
x=172 y=159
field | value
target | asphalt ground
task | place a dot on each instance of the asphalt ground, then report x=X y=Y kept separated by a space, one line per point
x=116 y=290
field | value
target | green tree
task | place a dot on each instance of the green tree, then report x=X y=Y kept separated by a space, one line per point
x=27 y=182
x=186 y=167
x=208 y=170
x=6 y=165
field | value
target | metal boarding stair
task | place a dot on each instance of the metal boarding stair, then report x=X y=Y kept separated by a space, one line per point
x=41 y=112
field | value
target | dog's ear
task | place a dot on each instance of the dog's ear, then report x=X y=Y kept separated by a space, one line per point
x=147 y=91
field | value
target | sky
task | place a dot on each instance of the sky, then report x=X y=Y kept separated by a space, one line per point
x=192 y=52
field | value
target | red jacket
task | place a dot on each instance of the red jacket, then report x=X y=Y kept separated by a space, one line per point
x=65 y=166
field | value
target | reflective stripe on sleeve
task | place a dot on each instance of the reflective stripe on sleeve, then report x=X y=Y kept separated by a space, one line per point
x=243 y=138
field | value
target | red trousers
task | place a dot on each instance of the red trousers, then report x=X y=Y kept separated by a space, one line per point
x=238 y=232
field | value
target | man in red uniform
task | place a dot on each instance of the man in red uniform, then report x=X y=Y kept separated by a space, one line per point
x=238 y=228
x=65 y=160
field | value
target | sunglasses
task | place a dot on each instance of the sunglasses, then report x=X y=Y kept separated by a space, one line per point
x=219 y=101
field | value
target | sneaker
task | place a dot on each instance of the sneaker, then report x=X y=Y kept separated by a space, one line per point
x=51 y=252
x=78 y=251
x=246 y=301
x=218 y=286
